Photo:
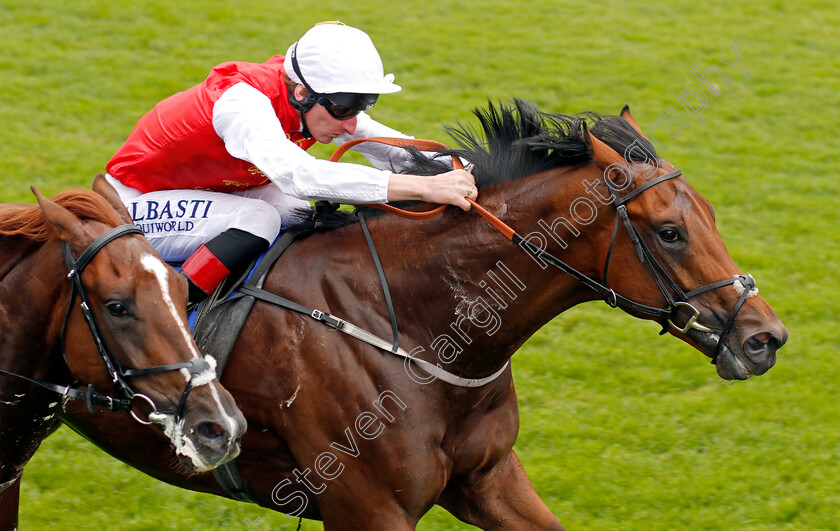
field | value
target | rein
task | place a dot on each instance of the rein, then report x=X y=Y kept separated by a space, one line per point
x=663 y=281
x=117 y=372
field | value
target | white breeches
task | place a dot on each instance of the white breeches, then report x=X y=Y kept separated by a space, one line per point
x=177 y=222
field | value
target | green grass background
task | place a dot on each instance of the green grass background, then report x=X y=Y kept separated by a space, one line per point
x=621 y=429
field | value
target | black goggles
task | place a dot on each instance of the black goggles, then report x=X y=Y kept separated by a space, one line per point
x=343 y=105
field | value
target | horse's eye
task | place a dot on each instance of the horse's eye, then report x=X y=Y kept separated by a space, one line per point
x=669 y=235
x=117 y=309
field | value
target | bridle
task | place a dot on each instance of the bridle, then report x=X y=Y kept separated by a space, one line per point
x=675 y=297
x=117 y=372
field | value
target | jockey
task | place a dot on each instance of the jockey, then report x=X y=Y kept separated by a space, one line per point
x=211 y=174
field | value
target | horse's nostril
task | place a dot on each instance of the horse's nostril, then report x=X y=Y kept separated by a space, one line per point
x=211 y=434
x=760 y=352
x=755 y=346
x=762 y=338
x=763 y=344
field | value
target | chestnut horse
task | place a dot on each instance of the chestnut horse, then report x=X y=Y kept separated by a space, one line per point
x=362 y=439
x=108 y=320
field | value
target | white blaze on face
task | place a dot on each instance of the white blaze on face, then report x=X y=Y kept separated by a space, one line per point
x=155 y=266
x=230 y=422
x=183 y=445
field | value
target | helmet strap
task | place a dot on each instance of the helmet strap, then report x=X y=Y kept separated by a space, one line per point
x=303 y=107
x=306 y=104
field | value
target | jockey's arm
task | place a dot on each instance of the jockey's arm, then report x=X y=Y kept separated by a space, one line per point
x=244 y=118
x=448 y=188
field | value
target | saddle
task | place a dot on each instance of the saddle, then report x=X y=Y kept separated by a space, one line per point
x=217 y=321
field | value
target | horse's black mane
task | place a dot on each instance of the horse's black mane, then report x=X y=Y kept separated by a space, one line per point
x=514 y=142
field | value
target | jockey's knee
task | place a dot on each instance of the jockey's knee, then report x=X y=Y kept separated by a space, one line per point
x=260 y=219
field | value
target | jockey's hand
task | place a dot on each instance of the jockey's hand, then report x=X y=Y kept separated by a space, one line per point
x=450 y=188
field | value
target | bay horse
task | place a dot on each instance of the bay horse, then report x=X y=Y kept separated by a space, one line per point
x=109 y=320
x=352 y=435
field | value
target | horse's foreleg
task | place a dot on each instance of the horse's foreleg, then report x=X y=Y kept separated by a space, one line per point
x=500 y=498
x=9 y=500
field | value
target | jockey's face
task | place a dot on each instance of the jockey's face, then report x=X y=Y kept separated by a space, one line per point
x=324 y=128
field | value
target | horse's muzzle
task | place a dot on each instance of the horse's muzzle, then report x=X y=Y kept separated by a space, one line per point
x=209 y=433
x=755 y=356
x=218 y=441
x=215 y=440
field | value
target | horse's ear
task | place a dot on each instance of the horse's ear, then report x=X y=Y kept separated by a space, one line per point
x=102 y=187
x=66 y=224
x=587 y=139
x=625 y=114
x=602 y=154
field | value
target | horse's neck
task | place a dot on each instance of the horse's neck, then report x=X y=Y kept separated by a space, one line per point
x=12 y=251
x=34 y=291
x=469 y=296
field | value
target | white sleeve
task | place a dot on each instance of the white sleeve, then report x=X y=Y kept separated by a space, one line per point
x=381 y=156
x=245 y=119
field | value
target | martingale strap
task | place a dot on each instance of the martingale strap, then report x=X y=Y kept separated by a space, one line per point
x=367 y=337
x=253 y=288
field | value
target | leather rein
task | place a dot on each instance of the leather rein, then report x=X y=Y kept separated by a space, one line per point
x=675 y=297
x=114 y=368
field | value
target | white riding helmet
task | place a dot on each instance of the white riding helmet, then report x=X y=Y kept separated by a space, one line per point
x=334 y=58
